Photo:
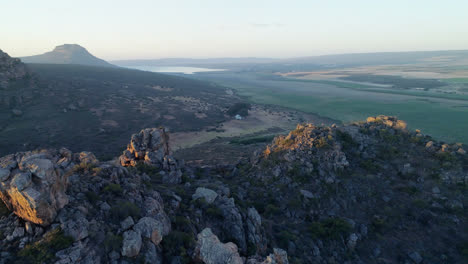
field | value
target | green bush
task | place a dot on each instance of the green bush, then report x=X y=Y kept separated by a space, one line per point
x=214 y=212
x=239 y=109
x=113 y=188
x=176 y=243
x=346 y=140
x=148 y=169
x=271 y=210
x=252 y=140
x=92 y=197
x=3 y=210
x=112 y=242
x=369 y=165
x=329 y=228
x=123 y=210
x=84 y=167
x=43 y=251
x=284 y=237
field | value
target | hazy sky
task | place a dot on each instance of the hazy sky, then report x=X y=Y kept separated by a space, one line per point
x=115 y=29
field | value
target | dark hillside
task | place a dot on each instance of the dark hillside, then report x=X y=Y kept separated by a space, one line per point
x=98 y=108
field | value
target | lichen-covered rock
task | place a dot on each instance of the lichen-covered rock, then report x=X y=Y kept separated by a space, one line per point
x=210 y=250
x=33 y=185
x=131 y=243
x=152 y=229
x=208 y=194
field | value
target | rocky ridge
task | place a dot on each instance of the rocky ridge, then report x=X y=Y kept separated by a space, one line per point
x=11 y=69
x=367 y=192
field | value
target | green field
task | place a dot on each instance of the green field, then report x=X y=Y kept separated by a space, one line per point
x=443 y=116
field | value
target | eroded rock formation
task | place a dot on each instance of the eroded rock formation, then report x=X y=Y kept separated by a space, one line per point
x=151 y=146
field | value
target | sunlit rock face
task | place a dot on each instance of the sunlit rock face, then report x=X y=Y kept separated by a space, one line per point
x=33 y=184
x=151 y=147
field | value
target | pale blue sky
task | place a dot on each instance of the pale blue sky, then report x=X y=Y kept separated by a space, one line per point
x=114 y=29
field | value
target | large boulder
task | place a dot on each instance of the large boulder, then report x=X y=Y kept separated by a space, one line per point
x=205 y=193
x=153 y=229
x=33 y=184
x=210 y=250
x=131 y=243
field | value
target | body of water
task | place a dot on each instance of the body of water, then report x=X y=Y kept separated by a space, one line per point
x=174 y=69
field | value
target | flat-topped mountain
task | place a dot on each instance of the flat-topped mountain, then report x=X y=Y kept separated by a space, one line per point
x=67 y=54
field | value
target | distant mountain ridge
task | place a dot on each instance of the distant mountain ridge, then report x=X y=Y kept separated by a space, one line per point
x=346 y=59
x=67 y=54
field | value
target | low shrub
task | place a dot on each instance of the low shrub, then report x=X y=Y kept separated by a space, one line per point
x=112 y=242
x=43 y=251
x=329 y=228
x=3 y=210
x=176 y=243
x=113 y=188
x=122 y=210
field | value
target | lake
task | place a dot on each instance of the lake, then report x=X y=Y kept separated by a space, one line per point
x=174 y=69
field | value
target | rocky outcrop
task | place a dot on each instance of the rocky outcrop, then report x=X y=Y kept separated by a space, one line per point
x=33 y=184
x=11 y=70
x=255 y=232
x=210 y=250
x=307 y=148
x=151 y=146
x=232 y=224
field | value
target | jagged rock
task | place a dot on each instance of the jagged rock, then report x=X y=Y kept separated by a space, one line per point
x=4 y=174
x=208 y=194
x=210 y=250
x=255 y=235
x=307 y=194
x=127 y=223
x=151 y=146
x=279 y=256
x=232 y=224
x=415 y=257
x=131 y=243
x=76 y=227
x=29 y=228
x=11 y=69
x=37 y=188
x=352 y=241
x=153 y=229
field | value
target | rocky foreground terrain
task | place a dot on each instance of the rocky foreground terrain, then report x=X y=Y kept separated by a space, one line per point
x=368 y=192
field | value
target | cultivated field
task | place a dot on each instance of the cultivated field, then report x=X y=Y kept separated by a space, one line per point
x=431 y=96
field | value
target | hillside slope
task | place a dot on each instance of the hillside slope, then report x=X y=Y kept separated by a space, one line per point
x=367 y=192
x=98 y=108
x=67 y=54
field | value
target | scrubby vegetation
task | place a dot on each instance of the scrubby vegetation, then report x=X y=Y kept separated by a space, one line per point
x=43 y=251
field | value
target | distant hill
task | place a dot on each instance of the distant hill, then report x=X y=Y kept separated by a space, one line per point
x=67 y=54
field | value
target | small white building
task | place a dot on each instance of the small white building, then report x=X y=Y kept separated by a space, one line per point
x=238 y=117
